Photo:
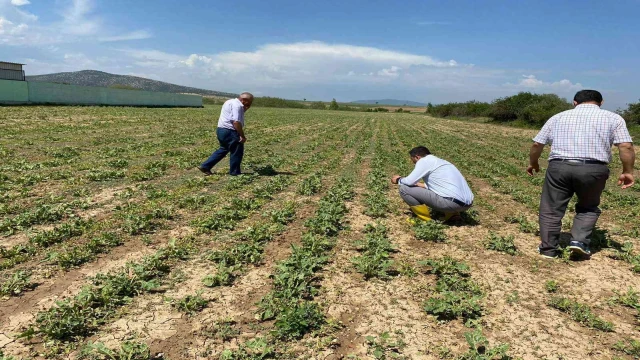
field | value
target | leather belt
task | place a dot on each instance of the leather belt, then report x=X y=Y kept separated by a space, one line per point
x=581 y=161
x=458 y=202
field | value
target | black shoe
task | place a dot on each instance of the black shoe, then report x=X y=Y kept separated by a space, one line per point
x=580 y=248
x=205 y=171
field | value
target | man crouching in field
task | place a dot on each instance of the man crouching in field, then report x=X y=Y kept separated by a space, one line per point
x=230 y=134
x=444 y=188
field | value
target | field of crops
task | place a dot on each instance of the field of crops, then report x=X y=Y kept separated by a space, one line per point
x=114 y=247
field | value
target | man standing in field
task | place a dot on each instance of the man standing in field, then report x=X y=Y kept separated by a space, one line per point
x=581 y=141
x=444 y=188
x=230 y=134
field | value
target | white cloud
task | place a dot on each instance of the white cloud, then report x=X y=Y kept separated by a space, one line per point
x=80 y=60
x=77 y=21
x=135 y=35
x=532 y=82
x=5 y=25
x=295 y=63
x=10 y=29
x=307 y=64
x=393 y=71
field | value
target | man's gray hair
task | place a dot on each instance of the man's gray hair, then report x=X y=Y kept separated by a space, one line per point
x=246 y=95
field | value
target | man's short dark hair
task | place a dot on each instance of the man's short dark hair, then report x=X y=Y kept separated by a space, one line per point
x=584 y=96
x=419 y=151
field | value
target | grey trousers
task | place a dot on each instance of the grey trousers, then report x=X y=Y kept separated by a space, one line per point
x=415 y=195
x=561 y=182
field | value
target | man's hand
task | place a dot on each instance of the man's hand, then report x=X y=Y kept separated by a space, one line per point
x=243 y=139
x=422 y=185
x=534 y=156
x=394 y=179
x=626 y=180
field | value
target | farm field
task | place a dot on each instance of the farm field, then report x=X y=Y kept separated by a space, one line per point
x=113 y=246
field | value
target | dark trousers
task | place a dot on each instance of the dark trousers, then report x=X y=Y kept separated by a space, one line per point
x=229 y=143
x=562 y=181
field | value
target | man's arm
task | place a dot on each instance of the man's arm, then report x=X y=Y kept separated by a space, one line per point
x=238 y=126
x=628 y=158
x=534 y=156
x=421 y=170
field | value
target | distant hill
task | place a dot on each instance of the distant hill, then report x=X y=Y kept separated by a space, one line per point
x=392 y=102
x=103 y=79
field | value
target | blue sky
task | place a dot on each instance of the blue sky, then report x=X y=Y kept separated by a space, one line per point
x=435 y=51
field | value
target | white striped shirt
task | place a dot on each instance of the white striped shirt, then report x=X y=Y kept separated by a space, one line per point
x=586 y=132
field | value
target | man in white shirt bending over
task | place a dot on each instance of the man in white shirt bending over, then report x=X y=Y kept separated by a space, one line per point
x=444 y=188
x=230 y=134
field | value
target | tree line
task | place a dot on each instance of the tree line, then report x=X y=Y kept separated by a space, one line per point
x=525 y=107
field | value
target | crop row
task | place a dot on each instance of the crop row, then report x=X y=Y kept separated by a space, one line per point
x=294 y=282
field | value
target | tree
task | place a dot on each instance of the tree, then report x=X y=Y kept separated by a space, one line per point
x=334 y=105
x=631 y=114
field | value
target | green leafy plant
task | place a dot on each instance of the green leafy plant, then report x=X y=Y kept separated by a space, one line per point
x=254 y=349
x=225 y=276
x=224 y=330
x=430 y=231
x=105 y=175
x=526 y=226
x=457 y=295
x=629 y=346
x=190 y=304
x=376 y=249
x=385 y=347
x=310 y=185
x=503 y=244
x=629 y=299
x=96 y=303
x=551 y=286
x=295 y=321
x=129 y=350
x=580 y=313
x=627 y=254
x=16 y=284
x=479 y=348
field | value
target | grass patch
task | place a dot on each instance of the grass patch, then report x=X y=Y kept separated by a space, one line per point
x=376 y=250
x=499 y=243
x=430 y=231
x=580 y=313
x=457 y=295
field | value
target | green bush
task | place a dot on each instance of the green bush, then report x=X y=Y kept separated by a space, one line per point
x=533 y=109
x=543 y=108
x=275 y=102
x=318 y=105
x=631 y=114
x=467 y=109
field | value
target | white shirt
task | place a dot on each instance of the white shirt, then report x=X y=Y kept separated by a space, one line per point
x=586 y=132
x=441 y=177
x=232 y=110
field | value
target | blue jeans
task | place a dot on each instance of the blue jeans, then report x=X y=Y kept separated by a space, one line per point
x=229 y=143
